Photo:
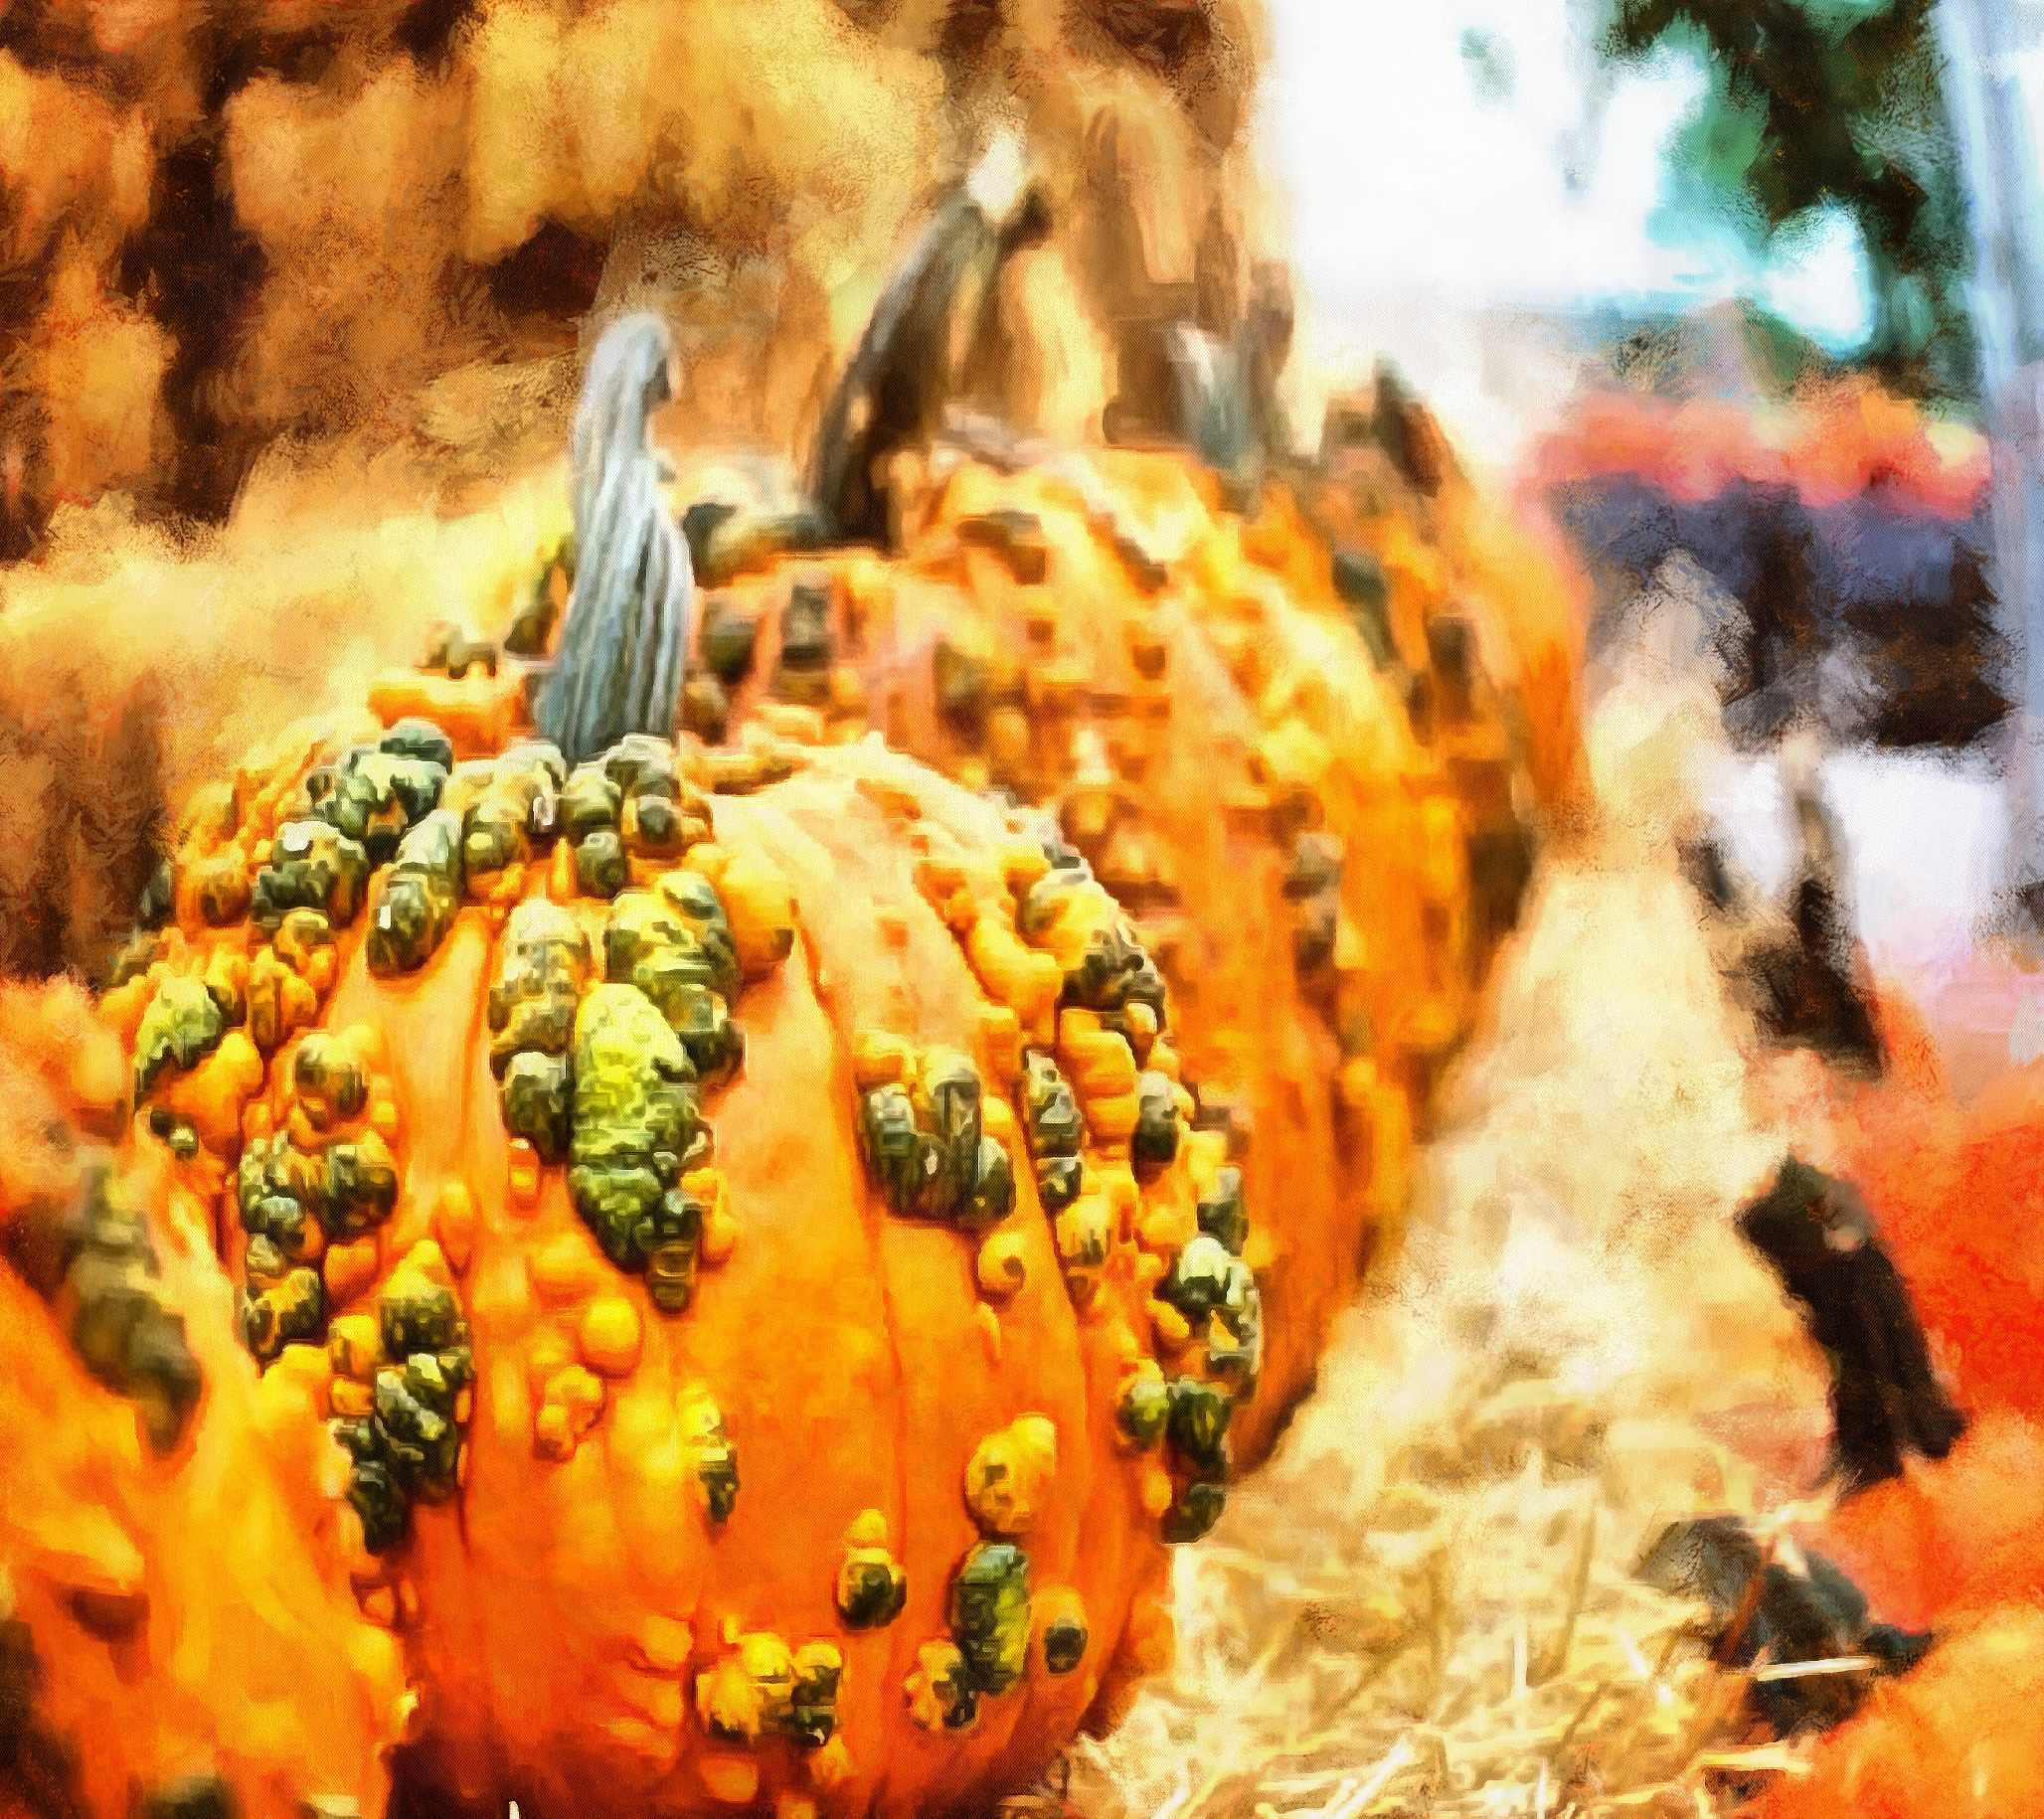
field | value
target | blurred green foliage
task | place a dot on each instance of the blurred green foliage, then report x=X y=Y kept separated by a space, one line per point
x=1826 y=103
x=1490 y=64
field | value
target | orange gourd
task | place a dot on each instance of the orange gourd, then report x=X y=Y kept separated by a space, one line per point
x=168 y=1586
x=1957 y=1186
x=1390 y=486
x=1321 y=846
x=1955 y=1545
x=1960 y=1737
x=742 y=1216
x=1950 y=1536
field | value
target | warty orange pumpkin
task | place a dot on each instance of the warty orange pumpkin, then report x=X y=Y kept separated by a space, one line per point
x=740 y=1213
x=1320 y=827
x=168 y=1586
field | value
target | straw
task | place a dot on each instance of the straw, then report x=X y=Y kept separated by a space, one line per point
x=1424 y=1603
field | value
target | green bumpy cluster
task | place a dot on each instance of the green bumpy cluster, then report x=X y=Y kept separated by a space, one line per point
x=714 y=1455
x=637 y=1128
x=1064 y=1643
x=285 y=1303
x=608 y=1077
x=590 y=807
x=407 y=1450
x=311 y=866
x=1153 y=1145
x=293 y=1201
x=1224 y=1211
x=928 y=1148
x=1192 y=1416
x=420 y=894
x=629 y=801
x=1114 y=971
x=674 y=943
x=1055 y=1130
x=990 y=1613
x=357 y=810
x=349 y=1187
x=182 y=1025
x=1208 y=1283
x=767 y=1689
x=509 y=805
x=123 y=1334
x=1197 y=1427
x=1144 y=1408
x=328 y=1080
x=810 y=1720
x=1213 y=1288
x=872 y=1589
x=543 y=965
x=374 y=792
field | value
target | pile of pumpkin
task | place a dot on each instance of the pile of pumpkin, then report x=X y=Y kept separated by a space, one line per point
x=782 y=1232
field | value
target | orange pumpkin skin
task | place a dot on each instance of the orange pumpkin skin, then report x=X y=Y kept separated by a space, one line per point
x=1960 y=1737
x=1957 y=1187
x=1957 y=1545
x=153 y=1667
x=1953 y=1535
x=601 y=1611
x=1184 y=688
x=1446 y=547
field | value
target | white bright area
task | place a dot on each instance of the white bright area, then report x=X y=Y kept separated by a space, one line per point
x=1430 y=192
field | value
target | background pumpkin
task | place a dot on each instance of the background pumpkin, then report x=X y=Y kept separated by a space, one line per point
x=1389 y=487
x=142 y=1673
x=1102 y=637
x=703 y=1475
x=1954 y=1544
x=1958 y=1738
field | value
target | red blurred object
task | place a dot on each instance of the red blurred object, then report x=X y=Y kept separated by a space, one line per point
x=1958 y=1190
x=1952 y=1539
x=1837 y=443
x=1956 y=1546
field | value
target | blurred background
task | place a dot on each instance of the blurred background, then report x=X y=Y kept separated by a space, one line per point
x=1495 y=195
x=1531 y=204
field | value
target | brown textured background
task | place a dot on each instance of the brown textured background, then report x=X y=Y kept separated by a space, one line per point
x=292 y=293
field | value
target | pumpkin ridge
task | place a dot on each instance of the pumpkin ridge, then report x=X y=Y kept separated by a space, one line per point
x=1090 y=1337
x=803 y=854
x=1089 y=1424
x=473 y=1042
x=918 y=1005
x=1055 y=1303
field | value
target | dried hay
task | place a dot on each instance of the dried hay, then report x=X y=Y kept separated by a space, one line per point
x=1424 y=1604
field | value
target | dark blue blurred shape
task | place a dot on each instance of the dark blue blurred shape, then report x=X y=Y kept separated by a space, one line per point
x=1876 y=588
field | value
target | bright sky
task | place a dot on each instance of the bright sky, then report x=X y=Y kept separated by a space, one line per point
x=1404 y=181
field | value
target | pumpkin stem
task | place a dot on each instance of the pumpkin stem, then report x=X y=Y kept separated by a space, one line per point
x=903 y=367
x=1225 y=388
x=623 y=645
